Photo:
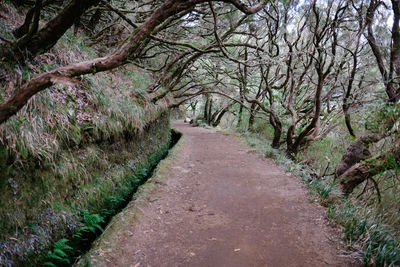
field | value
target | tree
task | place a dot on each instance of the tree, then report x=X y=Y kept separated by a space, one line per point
x=357 y=164
x=133 y=45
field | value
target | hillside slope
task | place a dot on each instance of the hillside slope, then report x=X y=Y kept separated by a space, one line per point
x=74 y=149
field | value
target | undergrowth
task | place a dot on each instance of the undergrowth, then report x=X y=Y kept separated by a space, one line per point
x=72 y=148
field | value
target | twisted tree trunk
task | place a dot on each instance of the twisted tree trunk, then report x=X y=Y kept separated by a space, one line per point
x=366 y=169
x=35 y=43
x=276 y=123
x=356 y=152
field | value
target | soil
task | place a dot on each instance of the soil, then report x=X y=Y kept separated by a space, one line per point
x=223 y=205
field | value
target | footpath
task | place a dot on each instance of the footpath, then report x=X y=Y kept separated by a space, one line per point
x=217 y=204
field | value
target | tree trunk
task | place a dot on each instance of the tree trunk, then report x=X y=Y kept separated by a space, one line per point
x=239 y=122
x=347 y=120
x=94 y=20
x=275 y=122
x=293 y=147
x=253 y=109
x=48 y=36
x=361 y=171
x=243 y=88
x=209 y=112
x=356 y=152
x=219 y=118
x=205 y=113
x=24 y=28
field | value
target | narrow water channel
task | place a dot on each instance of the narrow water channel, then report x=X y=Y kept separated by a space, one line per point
x=81 y=242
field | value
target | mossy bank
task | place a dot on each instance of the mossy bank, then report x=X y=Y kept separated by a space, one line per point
x=43 y=204
x=76 y=150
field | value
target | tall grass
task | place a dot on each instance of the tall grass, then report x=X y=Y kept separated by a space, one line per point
x=380 y=244
x=70 y=148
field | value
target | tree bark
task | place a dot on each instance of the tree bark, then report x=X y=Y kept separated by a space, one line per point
x=209 y=114
x=205 y=113
x=366 y=169
x=253 y=109
x=239 y=122
x=275 y=122
x=48 y=36
x=356 y=152
x=34 y=43
x=240 y=114
x=221 y=114
x=24 y=28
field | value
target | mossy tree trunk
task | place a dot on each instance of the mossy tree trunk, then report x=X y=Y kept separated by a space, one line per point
x=33 y=42
x=356 y=152
x=368 y=168
x=253 y=109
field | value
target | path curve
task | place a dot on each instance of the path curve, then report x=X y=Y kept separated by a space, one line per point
x=224 y=206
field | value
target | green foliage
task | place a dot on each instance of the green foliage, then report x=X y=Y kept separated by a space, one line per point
x=92 y=224
x=142 y=173
x=380 y=114
x=380 y=245
x=323 y=188
x=64 y=249
x=59 y=253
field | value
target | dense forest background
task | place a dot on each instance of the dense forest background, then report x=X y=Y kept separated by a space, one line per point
x=313 y=84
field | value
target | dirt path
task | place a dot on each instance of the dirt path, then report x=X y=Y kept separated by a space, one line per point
x=223 y=206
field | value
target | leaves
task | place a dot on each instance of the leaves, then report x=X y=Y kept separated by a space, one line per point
x=59 y=253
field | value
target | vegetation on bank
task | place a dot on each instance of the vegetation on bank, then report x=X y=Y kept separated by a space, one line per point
x=98 y=177
x=73 y=152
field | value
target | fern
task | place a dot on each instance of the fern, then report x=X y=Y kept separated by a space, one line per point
x=59 y=253
x=142 y=173
x=92 y=221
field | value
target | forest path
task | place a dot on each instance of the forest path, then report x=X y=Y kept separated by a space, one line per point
x=222 y=205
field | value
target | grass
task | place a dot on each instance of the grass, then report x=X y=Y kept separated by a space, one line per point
x=380 y=244
x=95 y=177
x=72 y=148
